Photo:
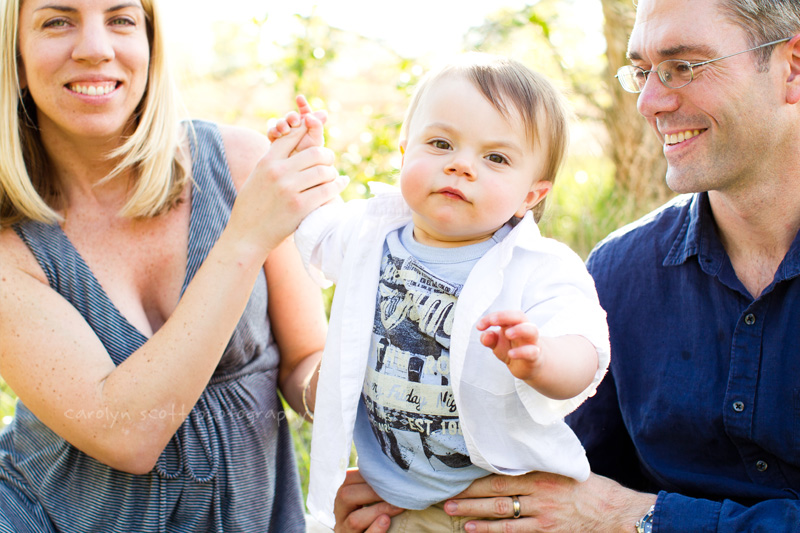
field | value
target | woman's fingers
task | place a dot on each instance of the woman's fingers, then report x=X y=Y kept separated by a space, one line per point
x=282 y=147
x=283 y=188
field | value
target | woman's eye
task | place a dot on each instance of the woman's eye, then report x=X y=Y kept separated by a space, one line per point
x=55 y=23
x=123 y=21
x=497 y=158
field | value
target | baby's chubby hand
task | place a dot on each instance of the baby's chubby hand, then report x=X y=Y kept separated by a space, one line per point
x=303 y=117
x=514 y=340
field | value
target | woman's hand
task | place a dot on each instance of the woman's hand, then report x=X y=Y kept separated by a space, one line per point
x=284 y=187
x=359 y=509
x=294 y=119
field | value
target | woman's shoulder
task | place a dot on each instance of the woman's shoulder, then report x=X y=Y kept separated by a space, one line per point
x=16 y=256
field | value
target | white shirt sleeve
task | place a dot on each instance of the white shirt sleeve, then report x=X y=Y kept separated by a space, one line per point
x=323 y=236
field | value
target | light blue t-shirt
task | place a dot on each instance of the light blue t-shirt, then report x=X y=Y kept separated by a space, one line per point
x=410 y=446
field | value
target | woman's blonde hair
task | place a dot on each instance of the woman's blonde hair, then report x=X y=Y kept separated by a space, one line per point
x=153 y=152
x=511 y=87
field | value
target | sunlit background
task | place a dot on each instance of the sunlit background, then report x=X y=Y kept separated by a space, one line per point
x=413 y=28
x=243 y=61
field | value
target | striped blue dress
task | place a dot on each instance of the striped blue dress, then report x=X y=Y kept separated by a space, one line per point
x=230 y=467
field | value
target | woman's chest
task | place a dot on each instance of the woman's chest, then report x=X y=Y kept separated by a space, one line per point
x=140 y=264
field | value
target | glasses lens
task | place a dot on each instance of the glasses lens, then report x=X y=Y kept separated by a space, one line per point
x=675 y=73
x=631 y=78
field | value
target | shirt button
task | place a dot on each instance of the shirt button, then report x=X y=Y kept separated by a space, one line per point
x=750 y=319
x=761 y=466
x=738 y=406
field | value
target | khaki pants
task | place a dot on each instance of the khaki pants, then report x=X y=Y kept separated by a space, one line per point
x=430 y=520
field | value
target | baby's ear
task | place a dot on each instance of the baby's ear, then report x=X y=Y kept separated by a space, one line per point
x=403 y=144
x=537 y=193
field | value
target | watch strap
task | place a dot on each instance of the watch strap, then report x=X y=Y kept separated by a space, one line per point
x=645 y=523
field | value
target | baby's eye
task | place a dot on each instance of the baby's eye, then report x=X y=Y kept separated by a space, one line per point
x=440 y=144
x=497 y=158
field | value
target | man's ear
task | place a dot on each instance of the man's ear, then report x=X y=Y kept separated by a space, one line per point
x=793 y=80
x=537 y=193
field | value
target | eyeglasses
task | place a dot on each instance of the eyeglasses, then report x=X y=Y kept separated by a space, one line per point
x=673 y=73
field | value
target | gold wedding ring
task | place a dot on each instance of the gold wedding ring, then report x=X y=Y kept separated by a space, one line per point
x=516 y=507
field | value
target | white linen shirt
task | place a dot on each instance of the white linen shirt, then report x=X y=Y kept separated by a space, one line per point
x=508 y=426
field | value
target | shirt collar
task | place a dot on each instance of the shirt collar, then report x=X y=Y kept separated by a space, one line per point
x=698 y=236
x=790 y=267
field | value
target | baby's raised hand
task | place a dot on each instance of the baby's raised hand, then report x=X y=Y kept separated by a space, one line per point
x=303 y=117
x=514 y=340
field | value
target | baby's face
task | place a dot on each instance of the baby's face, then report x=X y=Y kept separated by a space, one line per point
x=466 y=168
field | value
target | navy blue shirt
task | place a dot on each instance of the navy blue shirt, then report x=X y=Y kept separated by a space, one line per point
x=702 y=400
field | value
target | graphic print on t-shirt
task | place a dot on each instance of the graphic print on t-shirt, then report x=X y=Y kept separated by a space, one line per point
x=407 y=390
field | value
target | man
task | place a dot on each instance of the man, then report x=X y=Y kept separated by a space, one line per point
x=700 y=414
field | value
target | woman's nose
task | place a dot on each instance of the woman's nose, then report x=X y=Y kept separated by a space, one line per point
x=94 y=44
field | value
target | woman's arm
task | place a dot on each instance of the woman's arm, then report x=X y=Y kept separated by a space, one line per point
x=296 y=311
x=56 y=364
x=298 y=322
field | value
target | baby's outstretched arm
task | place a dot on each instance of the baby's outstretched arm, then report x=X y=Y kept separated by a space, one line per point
x=558 y=367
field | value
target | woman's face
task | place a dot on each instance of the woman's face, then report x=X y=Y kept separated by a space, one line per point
x=85 y=63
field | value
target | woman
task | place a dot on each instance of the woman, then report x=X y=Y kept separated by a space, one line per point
x=136 y=326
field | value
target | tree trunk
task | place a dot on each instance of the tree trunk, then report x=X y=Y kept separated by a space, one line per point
x=635 y=150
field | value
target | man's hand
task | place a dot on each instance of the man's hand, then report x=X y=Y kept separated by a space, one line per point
x=359 y=509
x=550 y=503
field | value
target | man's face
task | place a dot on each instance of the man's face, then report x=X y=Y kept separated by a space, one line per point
x=716 y=130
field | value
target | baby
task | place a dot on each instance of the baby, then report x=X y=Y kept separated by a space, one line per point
x=459 y=336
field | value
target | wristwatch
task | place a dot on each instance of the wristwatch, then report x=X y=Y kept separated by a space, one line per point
x=645 y=523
